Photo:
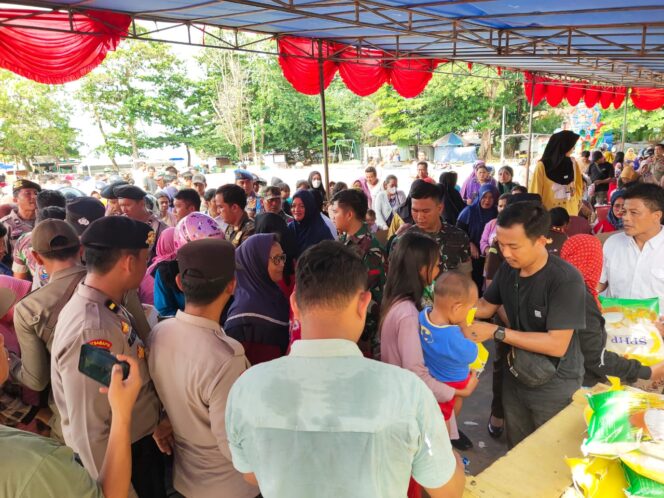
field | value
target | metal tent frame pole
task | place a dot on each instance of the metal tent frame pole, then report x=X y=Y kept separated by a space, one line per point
x=323 y=117
x=530 y=132
x=624 y=126
x=502 y=140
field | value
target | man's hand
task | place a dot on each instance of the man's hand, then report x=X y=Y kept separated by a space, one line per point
x=657 y=372
x=122 y=394
x=481 y=331
x=660 y=325
x=474 y=251
x=470 y=387
x=163 y=436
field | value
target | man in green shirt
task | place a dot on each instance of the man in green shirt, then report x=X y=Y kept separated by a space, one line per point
x=37 y=466
x=349 y=208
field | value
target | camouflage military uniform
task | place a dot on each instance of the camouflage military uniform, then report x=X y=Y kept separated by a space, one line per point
x=25 y=262
x=238 y=234
x=16 y=226
x=373 y=256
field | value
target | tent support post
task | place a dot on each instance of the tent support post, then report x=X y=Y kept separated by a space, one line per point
x=323 y=117
x=530 y=132
x=502 y=140
x=624 y=127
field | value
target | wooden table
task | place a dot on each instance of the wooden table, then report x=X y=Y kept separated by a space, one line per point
x=536 y=467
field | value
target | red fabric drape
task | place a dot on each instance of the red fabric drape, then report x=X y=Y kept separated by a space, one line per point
x=591 y=96
x=619 y=96
x=555 y=93
x=363 y=71
x=363 y=76
x=56 y=57
x=574 y=93
x=606 y=97
x=540 y=90
x=647 y=99
x=409 y=77
x=298 y=58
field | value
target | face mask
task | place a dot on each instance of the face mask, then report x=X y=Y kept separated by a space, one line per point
x=392 y=190
x=315 y=183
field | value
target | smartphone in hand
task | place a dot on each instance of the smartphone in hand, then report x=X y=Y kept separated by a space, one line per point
x=97 y=363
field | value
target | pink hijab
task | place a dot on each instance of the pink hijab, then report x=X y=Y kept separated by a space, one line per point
x=165 y=249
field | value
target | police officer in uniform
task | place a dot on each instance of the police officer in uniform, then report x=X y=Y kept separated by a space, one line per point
x=22 y=219
x=56 y=247
x=115 y=252
x=112 y=204
x=132 y=204
x=245 y=179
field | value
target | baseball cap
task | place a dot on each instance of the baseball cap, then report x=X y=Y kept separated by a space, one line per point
x=198 y=178
x=206 y=260
x=53 y=235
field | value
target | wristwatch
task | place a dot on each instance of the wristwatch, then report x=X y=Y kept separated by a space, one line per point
x=499 y=334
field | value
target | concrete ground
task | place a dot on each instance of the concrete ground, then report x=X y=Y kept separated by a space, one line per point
x=473 y=422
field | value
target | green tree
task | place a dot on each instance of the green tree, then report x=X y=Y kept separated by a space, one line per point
x=131 y=91
x=34 y=121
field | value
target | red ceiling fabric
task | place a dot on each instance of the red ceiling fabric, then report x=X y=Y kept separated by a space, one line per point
x=647 y=99
x=409 y=77
x=364 y=73
x=540 y=90
x=606 y=96
x=298 y=58
x=554 y=93
x=591 y=96
x=56 y=57
x=574 y=93
x=619 y=96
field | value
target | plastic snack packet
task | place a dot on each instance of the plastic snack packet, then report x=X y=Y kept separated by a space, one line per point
x=598 y=477
x=631 y=330
x=642 y=487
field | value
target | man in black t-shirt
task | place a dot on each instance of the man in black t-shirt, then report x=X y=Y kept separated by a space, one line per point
x=544 y=299
x=601 y=173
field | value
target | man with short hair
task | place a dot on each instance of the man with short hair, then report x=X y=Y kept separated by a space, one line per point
x=544 y=299
x=24 y=265
x=149 y=183
x=245 y=180
x=116 y=250
x=193 y=364
x=186 y=201
x=231 y=201
x=112 y=202
x=361 y=441
x=22 y=219
x=601 y=174
x=131 y=200
x=426 y=210
x=633 y=265
x=349 y=209
x=200 y=185
x=56 y=247
x=273 y=203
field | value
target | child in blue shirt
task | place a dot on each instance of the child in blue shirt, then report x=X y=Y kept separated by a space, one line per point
x=447 y=352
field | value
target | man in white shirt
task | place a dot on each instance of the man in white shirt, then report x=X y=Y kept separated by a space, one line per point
x=634 y=260
x=296 y=428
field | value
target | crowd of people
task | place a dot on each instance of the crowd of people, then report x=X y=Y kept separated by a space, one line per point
x=319 y=344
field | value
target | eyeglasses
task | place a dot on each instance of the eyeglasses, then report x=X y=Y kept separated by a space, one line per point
x=279 y=259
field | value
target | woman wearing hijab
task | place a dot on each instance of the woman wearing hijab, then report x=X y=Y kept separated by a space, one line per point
x=506 y=180
x=557 y=177
x=275 y=224
x=258 y=316
x=165 y=252
x=308 y=226
x=613 y=220
x=452 y=201
x=316 y=182
x=477 y=178
x=168 y=298
x=472 y=220
x=630 y=155
x=585 y=253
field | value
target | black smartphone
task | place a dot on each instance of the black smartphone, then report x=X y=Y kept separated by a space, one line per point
x=97 y=363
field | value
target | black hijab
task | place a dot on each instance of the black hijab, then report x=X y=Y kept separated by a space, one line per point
x=557 y=166
x=320 y=188
x=451 y=197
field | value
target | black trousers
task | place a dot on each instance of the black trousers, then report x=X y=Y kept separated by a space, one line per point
x=147 y=469
x=499 y=366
